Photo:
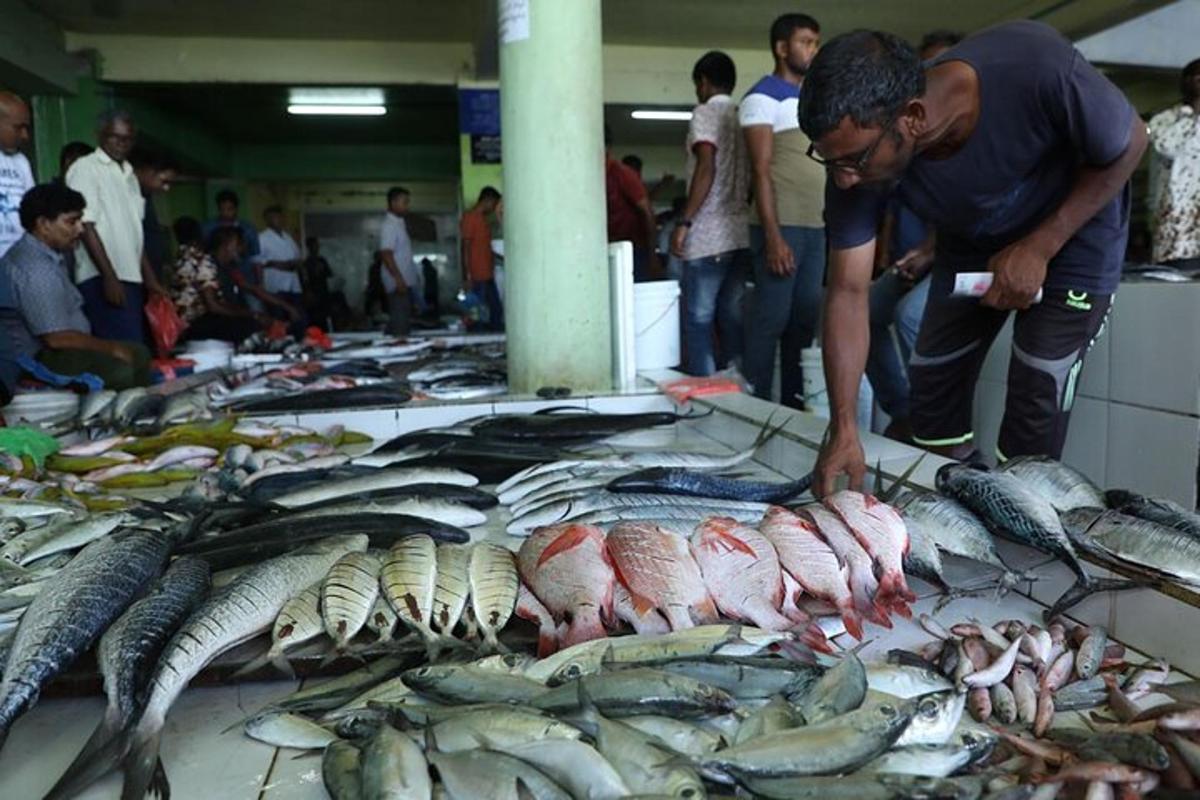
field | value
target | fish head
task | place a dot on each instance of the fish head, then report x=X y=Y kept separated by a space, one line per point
x=717 y=700
x=955 y=473
x=892 y=716
x=980 y=741
x=571 y=670
x=935 y=717
x=1077 y=521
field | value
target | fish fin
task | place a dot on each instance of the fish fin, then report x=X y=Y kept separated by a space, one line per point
x=254 y=665
x=159 y=785
x=142 y=769
x=734 y=542
x=815 y=638
x=893 y=490
x=852 y=620
x=572 y=537
x=99 y=756
x=547 y=644
x=1082 y=589
x=877 y=489
x=584 y=627
x=705 y=612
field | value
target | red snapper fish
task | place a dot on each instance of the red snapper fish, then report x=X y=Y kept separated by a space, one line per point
x=657 y=568
x=812 y=563
x=882 y=533
x=864 y=586
x=743 y=575
x=567 y=567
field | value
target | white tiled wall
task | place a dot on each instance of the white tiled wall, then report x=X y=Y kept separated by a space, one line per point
x=1136 y=419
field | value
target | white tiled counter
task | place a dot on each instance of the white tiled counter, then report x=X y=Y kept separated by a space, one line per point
x=1136 y=419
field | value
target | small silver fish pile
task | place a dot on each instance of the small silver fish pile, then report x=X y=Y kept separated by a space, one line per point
x=680 y=714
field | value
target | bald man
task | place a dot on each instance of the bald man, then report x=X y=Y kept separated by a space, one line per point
x=16 y=177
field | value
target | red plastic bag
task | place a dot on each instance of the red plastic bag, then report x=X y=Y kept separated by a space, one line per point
x=165 y=324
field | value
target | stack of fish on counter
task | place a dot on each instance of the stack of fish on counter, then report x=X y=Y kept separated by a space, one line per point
x=731 y=588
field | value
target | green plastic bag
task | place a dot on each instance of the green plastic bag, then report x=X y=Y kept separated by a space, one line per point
x=28 y=442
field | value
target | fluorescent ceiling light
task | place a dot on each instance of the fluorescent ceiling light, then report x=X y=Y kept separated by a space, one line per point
x=341 y=111
x=336 y=96
x=672 y=116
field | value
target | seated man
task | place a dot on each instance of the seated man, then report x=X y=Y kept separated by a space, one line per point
x=202 y=302
x=44 y=316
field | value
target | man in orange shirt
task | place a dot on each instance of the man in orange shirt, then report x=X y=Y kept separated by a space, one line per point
x=477 y=261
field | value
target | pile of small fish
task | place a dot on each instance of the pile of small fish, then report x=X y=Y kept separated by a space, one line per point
x=1024 y=678
x=675 y=715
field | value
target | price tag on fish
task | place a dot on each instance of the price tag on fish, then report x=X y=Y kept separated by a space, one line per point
x=976 y=284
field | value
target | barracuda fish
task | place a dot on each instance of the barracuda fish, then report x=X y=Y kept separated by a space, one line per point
x=1154 y=509
x=449 y=493
x=58 y=626
x=568 y=510
x=642 y=460
x=492 y=572
x=380 y=479
x=237 y=613
x=1009 y=508
x=690 y=483
x=449 y=513
x=572 y=489
x=127 y=653
x=556 y=482
x=382 y=395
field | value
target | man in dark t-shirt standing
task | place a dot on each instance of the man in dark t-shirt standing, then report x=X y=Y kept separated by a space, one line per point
x=1019 y=153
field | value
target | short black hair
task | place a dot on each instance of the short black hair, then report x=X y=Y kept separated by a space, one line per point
x=1189 y=69
x=73 y=151
x=272 y=209
x=49 y=201
x=309 y=241
x=718 y=68
x=786 y=24
x=489 y=193
x=223 y=234
x=147 y=158
x=187 y=231
x=939 y=38
x=227 y=196
x=397 y=191
x=633 y=162
x=867 y=76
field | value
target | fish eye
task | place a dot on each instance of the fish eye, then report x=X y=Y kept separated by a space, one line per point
x=887 y=711
x=688 y=793
x=572 y=671
x=929 y=708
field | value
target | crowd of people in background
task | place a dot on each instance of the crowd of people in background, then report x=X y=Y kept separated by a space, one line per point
x=748 y=240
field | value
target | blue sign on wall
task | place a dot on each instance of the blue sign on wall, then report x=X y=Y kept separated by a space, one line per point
x=479 y=111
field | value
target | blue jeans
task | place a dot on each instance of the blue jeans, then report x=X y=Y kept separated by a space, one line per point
x=784 y=312
x=712 y=292
x=125 y=323
x=491 y=298
x=893 y=304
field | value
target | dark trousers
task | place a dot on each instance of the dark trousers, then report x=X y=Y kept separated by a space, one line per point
x=125 y=323
x=1050 y=340
x=491 y=298
x=115 y=373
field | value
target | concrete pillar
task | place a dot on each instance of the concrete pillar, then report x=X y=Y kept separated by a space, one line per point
x=555 y=235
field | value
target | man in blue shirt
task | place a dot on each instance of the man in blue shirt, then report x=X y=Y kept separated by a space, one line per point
x=227 y=217
x=1019 y=153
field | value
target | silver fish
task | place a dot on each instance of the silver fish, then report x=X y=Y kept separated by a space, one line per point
x=1153 y=548
x=777 y=715
x=59 y=538
x=89 y=594
x=952 y=527
x=573 y=765
x=383 y=479
x=242 y=610
x=479 y=773
x=94 y=405
x=492 y=572
x=394 y=768
x=681 y=736
x=638 y=691
x=347 y=595
x=299 y=621
x=408 y=578
x=451 y=513
x=126 y=655
x=645 y=765
x=467 y=683
x=503 y=726
x=838 y=691
x=1063 y=486
x=340 y=771
x=452 y=588
x=617 y=502
x=283 y=729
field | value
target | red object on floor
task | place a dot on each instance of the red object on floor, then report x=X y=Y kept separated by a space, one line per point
x=685 y=389
x=317 y=338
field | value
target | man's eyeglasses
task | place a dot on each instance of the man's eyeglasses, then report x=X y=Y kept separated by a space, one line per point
x=852 y=163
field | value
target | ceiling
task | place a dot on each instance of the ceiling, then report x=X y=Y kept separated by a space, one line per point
x=257 y=114
x=680 y=23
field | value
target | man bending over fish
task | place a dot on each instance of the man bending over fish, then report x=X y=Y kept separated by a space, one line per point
x=1019 y=153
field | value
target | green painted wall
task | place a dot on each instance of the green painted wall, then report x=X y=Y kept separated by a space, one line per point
x=58 y=119
x=344 y=162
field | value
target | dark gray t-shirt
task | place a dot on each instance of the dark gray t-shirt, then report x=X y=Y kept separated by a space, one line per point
x=1045 y=112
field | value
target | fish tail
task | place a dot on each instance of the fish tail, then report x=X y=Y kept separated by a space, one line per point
x=705 y=612
x=253 y=665
x=100 y=755
x=547 y=643
x=143 y=769
x=1085 y=587
x=851 y=619
x=678 y=618
x=866 y=599
x=814 y=637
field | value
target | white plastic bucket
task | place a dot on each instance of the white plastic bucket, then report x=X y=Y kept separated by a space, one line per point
x=656 y=324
